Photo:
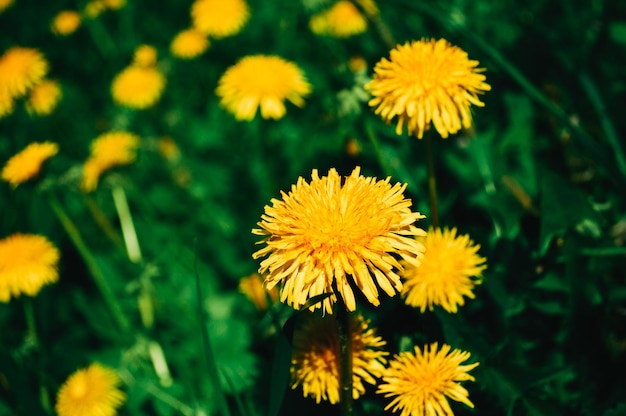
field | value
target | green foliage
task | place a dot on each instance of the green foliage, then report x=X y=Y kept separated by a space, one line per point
x=538 y=182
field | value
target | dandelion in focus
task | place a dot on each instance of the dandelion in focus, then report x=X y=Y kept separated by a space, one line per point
x=65 y=23
x=108 y=150
x=450 y=269
x=262 y=81
x=26 y=164
x=43 y=98
x=427 y=81
x=421 y=382
x=27 y=263
x=90 y=391
x=326 y=236
x=189 y=44
x=219 y=18
x=315 y=357
x=342 y=20
x=20 y=69
x=253 y=289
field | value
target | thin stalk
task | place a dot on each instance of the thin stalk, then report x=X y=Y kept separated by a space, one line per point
x=101 y=282
x=432 y=182
x=377 y=150
x=33 y=340
x=345 y=359
x=211 y=363
x=126 y=222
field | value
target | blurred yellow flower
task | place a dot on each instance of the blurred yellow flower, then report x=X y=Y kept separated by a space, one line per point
x=427 y=81
x=219 y=18
x=325 y=237
x=138 y=87
x=145 y=56
x=110 y=149
x=422 y=382
x=43 y=98
x=27 y=263
x=342 y=20
x=94 y=8
x=90 y=391
x=252 y=287
x=316 y=355
x=4 y=4
x=20 y=69
x=6 y=103
x=26 y=164
x=114 y=4
x=261 y=81
x=189 y=44
x=66 y=22
x=450 y=269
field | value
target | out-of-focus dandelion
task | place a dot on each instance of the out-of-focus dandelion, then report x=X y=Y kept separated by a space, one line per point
x=138 y=87
x=94 y=8
x=6 y=103
x=219 y=18
x=108 y=150
x=450 y=269
x=262 y=81
x=342 y=20
x=27 y=263
x=90 y=391
x=427 y=81
x=26 y=164
x=252 y=287
x=421 y=382
x=66 y=22
x=114 y=4
x=325 y=237
x=5 y=4
x=316 y=354
x=145 y=55
x=20 y=69
x=43 y=98
x=189 y=44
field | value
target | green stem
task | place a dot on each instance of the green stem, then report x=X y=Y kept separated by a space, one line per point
x=33 y=341
x=377 y=150
x=432 y=183
x=99 y=279
x=345 y=359
x=126 y=222
x=208 y=350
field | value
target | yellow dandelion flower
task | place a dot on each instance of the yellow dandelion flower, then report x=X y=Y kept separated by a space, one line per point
x=6 y=103
x=450 y=269
x=27 y=263
x=20 y=69
x=90 y=391
x=5 y=4
x=342 y=20
x=189 y=44
x=145 y=55
x=114 y=4
x=138 y=87
x=325 y=237
x=315 y=357
x=43 y=98
x=94 y=8
x=219 y=18
x=262 y=81
x=66 y=22
x=26 y=164
x=252 y=287
x=422 y=382
x=427 y=81
x=110 y=149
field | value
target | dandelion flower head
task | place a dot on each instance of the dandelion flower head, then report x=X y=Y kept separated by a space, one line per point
x=342 y=20
x=94 y=8
x=315 y=357
x=5 y=4
x=189 y=44
x=6 y=103
x=262 y=81
x=252 y=287
x=450 y=269
x=145 y=55
x=326 y=236
x=20 y=69
x=27 y=263
x=66 y=22
x=43 y=98
x=138 y=87
x=26 y=164
x=114 y=4
x=110 y=149
x=427 y=81
x=421 y=382
x=219 y=18
x=90 y=391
